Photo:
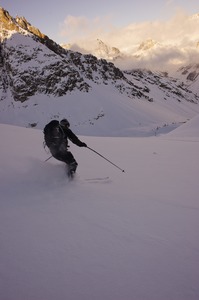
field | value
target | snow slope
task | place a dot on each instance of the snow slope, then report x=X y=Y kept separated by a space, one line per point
x=133 y=236
x=189 y=129
x=105 y=112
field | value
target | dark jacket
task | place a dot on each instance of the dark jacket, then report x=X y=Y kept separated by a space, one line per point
x=56 y=135
x=68 y=134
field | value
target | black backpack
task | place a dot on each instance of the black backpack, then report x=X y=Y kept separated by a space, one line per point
x=53 y=134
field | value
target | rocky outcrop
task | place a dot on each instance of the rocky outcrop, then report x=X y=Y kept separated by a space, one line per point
x=171 y=88
x=190 y=72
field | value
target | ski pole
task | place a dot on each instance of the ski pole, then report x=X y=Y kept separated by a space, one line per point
x=105 y=159
x=48 y=158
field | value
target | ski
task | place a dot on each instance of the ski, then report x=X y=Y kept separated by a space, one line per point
x=98 y=179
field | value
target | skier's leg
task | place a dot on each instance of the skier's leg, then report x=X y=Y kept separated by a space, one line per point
x=67 y=157
x=71 y=162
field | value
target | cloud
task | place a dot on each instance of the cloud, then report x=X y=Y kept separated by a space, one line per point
x=176 y=39
x=178 y=29
x=169 y=2
x=80 y=29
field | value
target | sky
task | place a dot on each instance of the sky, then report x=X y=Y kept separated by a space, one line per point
x=67 y=21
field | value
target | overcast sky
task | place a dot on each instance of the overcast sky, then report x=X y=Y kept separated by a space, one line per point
x=66 y=21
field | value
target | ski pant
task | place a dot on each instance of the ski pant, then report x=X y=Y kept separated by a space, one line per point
x=61 y=153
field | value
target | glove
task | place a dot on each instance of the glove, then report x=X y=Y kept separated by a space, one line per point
x=83 y=145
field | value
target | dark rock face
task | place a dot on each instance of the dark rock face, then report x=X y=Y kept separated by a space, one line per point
x=31 y=63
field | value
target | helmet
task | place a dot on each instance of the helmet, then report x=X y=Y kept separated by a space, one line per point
x=65 y=123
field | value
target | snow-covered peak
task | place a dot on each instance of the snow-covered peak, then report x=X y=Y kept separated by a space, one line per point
x=195 y=17
x=148 y=44
x=103 y=50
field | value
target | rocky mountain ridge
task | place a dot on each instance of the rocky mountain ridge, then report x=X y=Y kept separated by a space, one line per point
x=189 y=73
x=175 y=48
x=33 y=67
x=146 y=48
x=47 y=67
x=169 y=86
x=32 y=63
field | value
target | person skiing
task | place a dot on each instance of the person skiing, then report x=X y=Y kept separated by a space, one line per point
x=56 y=135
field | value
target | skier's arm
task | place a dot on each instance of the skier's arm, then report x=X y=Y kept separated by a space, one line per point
x=74 y=139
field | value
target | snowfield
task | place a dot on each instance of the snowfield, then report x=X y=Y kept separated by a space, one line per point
x=131 y=236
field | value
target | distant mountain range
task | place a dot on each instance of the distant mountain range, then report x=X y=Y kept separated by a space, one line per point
x=41 y=80
x=175 y=49
x=146 y=48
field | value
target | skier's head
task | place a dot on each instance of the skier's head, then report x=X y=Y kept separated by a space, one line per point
x=64 y=123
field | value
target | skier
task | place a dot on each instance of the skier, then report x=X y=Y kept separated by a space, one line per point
x=56 y=135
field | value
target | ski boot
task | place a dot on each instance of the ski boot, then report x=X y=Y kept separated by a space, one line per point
x=72 y=169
